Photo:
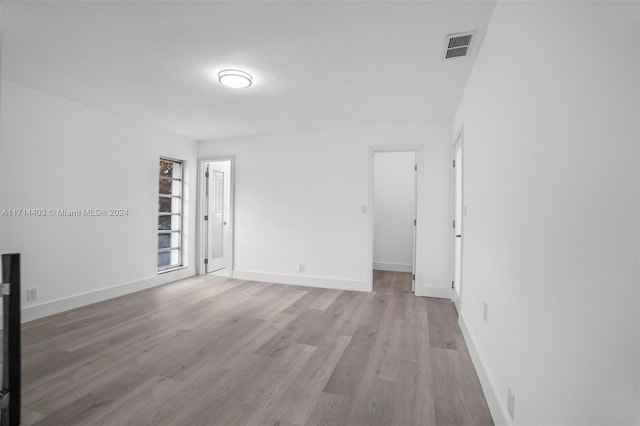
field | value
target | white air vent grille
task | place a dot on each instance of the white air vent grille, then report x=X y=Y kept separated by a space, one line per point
x=457 y=45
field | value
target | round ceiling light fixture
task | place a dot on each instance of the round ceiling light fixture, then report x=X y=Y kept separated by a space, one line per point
x=235 y=79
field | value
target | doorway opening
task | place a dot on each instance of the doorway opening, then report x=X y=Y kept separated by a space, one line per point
x=458 y=220
x=394 y=211
x=216 y=218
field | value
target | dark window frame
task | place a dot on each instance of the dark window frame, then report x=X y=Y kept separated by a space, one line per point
x=177 y=201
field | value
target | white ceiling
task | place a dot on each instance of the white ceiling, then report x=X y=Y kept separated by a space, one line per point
x=315 y=64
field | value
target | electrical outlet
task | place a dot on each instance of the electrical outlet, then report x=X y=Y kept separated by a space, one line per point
x=32 y=294
x=363 y=209
x=301 y=267
x=511 y=404
x=485 y=312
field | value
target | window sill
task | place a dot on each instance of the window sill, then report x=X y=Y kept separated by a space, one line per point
x=177 y=268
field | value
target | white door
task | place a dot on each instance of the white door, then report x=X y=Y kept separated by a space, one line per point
x=457 y=226
x=415 y=215
x=215 y=218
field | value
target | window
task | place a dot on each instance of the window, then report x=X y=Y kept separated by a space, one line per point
x=170 y=215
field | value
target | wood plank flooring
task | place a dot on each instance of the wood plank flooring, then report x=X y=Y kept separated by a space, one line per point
x=218 y=351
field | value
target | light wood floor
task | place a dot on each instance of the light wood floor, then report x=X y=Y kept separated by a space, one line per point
x=212 y=350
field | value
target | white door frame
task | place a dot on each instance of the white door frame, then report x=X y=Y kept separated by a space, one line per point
x=201 y=226
x=458 y=139
x=419 y=158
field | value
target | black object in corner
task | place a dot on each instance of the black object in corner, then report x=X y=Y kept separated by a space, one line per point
x=11 y=378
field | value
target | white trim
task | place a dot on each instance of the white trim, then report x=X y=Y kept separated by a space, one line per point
x=439 y=292
x=456 y=297
x=496 y=407
x=30 y=313
x=393 y=266
x=177 y=268
x=302 y=280
x=200 y=250
x=419 y=159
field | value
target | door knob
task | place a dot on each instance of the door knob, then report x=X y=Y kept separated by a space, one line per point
x=458 y=236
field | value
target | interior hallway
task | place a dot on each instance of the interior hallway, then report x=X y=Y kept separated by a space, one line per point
x=213 y=350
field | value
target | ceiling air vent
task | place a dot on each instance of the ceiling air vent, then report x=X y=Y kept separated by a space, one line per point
x=457 y=45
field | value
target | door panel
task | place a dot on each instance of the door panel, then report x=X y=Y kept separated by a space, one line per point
x=415 y=209
x=215 y=222
x=457 y=235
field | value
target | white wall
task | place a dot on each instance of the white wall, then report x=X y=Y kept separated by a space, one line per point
x=394 y=210
x=298 y=199
x=1 y=122
x=57 y=154
x=550 y=116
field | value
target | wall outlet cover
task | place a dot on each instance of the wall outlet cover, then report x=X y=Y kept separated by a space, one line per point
x=32 y=294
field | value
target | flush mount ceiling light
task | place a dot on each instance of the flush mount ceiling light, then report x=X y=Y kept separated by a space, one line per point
x=235 y=79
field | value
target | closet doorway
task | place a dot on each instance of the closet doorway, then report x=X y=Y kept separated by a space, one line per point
x=217 y=217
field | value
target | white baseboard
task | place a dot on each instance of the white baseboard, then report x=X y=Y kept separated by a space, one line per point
x=302 y=280
x=496 y=407
x=33 y=312
x=393 y=267
x=439 y=292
